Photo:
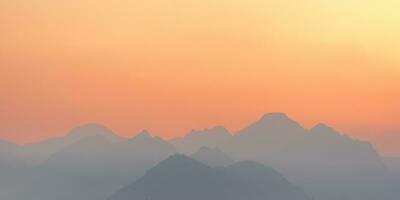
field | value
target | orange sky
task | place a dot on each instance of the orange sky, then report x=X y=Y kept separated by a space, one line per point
x=170 y=66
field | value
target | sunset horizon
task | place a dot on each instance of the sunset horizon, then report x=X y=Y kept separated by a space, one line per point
x=240 y=99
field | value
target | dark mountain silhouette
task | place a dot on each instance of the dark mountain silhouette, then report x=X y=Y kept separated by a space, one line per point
x=194 y=140
x=180 y=177
x=213 y=157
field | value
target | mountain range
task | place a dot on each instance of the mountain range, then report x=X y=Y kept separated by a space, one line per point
x=91 y=162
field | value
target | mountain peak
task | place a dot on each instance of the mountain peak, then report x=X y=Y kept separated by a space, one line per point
x=274 y=124
x=275 y=116
x=323 y=128
x=277 y=119
x=91 y=130
x=144 y=134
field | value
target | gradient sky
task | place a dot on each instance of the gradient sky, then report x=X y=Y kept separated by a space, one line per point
x=170 y=66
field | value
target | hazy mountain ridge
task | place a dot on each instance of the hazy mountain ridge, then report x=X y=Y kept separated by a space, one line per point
x=212 y=157
x=41 y=151
x=91 y=162
x=180 y=177
x=317 y=159
x=277 y=138
x=194 y=140
x=93 y=166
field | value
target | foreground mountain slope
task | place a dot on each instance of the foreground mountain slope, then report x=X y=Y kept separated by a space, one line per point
x=181 y=178
x=265 y=181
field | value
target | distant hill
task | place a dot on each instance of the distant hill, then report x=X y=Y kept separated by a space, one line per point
x=182 y=178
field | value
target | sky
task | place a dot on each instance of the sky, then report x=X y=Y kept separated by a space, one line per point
x=173 y=66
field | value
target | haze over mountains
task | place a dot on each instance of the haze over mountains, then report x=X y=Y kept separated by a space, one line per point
x=180 y=178
x=321 y=160
x=214 y=137
x=212 y=157
x=92 y=163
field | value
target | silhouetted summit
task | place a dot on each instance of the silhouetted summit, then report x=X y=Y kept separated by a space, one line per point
x=323 y=128
x=273 y=123
x=90 y=130
x=143 y=134
x=182 y=178
x=277 y=119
